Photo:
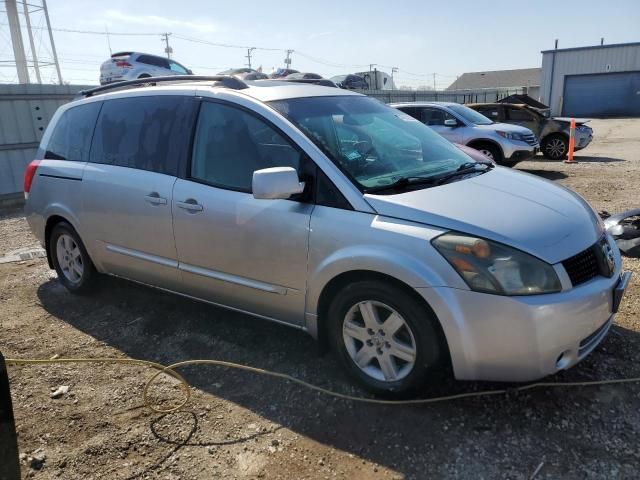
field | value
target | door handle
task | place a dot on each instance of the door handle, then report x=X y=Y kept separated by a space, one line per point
x=190 y=205
x=154 y=198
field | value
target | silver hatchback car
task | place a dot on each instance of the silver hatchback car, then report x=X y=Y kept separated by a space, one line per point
x=123 y=66
x=328 y=211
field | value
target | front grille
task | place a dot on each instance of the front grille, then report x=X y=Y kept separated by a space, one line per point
x=530 y=138
x=582 y=267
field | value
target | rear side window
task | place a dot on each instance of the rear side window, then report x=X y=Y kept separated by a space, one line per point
x=71 y=136
x=517 y=114
x=148 y=133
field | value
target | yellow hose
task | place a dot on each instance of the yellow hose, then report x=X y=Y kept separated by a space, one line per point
x=170 y=370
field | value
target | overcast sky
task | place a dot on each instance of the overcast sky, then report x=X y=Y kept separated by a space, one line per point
x=329 y=37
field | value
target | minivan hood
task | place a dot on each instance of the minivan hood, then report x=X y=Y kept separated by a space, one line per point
x=504 y=127
x=514 y=208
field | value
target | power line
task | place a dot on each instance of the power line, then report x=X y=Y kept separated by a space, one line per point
x=92 y=32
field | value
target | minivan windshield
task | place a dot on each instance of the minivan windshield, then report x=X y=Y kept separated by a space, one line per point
x=470 y=115
x=375 y=145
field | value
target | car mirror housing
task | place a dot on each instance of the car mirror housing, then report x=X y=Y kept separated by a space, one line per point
x=276 y=183
x=450 y=122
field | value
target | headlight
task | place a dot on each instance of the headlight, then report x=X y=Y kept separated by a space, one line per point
x=511 y=135
x=491 y=267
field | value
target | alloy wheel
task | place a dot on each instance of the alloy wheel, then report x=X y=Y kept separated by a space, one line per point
x=69 y=258
x=379 y=341
x=555 y=148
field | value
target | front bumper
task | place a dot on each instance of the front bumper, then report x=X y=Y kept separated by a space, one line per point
x=499 y=338
x=583 y=139
x=521 y=155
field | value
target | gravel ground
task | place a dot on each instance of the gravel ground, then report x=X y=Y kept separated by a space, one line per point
x=239 y=425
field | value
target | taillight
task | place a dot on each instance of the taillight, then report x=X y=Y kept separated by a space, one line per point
x=29 y=173
x=122 y=63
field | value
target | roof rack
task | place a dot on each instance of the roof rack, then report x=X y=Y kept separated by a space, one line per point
x=324 y=82
x=224 y=80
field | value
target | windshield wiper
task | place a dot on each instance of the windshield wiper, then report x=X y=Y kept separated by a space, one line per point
x=464 y=169
x=403 y=182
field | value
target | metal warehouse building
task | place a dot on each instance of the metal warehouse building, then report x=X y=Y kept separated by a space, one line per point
x=598 y=81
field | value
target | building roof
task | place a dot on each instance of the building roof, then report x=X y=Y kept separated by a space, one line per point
x=591 y=47
x=522 y=77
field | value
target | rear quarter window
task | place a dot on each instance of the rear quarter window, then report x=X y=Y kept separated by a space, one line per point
x=71 y=136
x=148 y=133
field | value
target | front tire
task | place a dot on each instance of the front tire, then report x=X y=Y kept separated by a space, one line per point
x=70 y=259
x=385 y=338
x=491 y=151
x=555 y=147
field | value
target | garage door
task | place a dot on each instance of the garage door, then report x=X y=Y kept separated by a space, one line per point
x=602 y=95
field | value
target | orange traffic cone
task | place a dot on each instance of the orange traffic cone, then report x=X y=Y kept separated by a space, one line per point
x=572 y=142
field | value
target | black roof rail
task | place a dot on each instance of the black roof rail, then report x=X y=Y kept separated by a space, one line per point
x=224 y=80
x=324 y=82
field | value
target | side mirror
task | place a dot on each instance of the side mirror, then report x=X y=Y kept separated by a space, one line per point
x=276 y=183
x=450 y=122
x=189 y=71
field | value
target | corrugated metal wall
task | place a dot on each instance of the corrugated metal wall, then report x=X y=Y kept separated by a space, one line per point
x=25 y=111
x=579 y=61
x=457 y=96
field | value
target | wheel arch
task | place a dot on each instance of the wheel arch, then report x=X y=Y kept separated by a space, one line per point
x=478 y=142
x=54 y=218
x=339 y=281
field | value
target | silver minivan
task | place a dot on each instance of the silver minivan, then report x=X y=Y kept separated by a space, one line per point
x=328 y=211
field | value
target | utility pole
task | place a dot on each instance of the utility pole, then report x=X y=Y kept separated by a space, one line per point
x=248 y=56
x=434 y=81
x=167 y=49
x=287 y=61
x=393 y=70
x=108 y=40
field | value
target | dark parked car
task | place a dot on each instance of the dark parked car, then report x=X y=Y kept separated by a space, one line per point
x=553 y=132
x=304 y=76
x=350 y=82
x=282 y=72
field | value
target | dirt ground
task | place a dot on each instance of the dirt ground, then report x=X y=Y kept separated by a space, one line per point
x=239 y=425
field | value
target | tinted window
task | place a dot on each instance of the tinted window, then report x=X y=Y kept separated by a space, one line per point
x=435 y=116
x=230 y=144
x=71 y=137
x=518 y=114
x=155 y=61
x=415 y=112
x=149 y=133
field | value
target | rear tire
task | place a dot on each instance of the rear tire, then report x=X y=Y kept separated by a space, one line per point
x=385 y=338
x=555 y=147
x=70 y=259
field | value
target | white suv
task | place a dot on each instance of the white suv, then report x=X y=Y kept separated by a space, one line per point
x=503 y=143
